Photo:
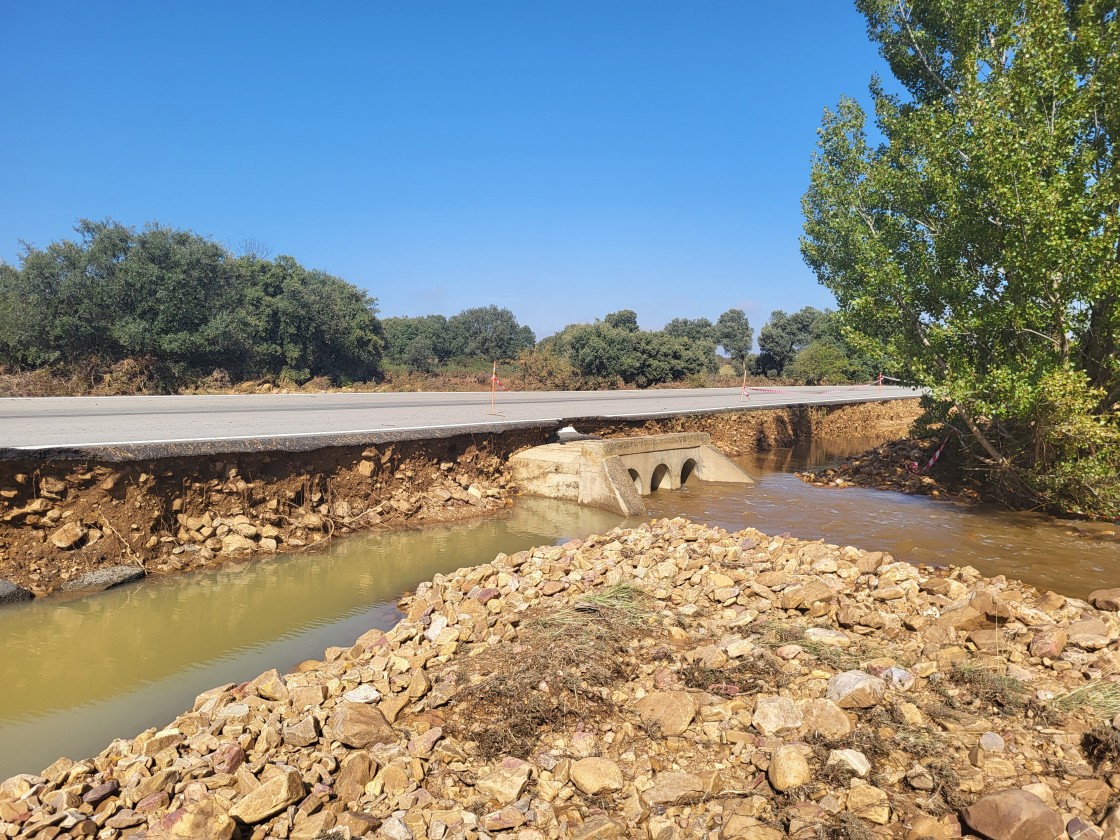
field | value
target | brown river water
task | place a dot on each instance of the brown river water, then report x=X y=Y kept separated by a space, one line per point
x=76 y=674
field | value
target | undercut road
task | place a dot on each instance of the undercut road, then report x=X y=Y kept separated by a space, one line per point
x=125 y=428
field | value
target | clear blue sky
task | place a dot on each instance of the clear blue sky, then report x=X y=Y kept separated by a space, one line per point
x=561 y=158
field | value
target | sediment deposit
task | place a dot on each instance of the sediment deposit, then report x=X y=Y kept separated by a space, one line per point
x=670 y=681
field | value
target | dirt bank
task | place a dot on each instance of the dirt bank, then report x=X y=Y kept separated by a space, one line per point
x=61 y=521
x=671 y=681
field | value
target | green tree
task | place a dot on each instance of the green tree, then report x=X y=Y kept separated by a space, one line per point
x=604 y=354
x=625 y=320
x=487 y=332
x=820 y=362
x=185 y=304
x=978 y=240
x=694 y=329
x=734 y=334
x=783 y=337
x=426 y=332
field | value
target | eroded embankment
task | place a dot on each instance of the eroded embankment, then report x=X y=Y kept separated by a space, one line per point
x=61 y=521
x=669 y=681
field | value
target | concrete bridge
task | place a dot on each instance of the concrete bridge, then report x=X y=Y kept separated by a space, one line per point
x=615 y=474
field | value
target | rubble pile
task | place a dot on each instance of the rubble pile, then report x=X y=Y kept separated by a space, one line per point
x=670 y=681
x=900 y=465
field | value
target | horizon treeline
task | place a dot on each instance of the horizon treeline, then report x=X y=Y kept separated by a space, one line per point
x=189 y=309
x=185 y=304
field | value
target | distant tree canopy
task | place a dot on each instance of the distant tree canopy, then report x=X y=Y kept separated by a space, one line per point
x=694 y=329
x=425 y=342
x=735 y=335
x=625 y=320
x=185 y=303
x=488 y=332
x=616 y=350
x=783 y=337
x=419 y=343
x=810 y=346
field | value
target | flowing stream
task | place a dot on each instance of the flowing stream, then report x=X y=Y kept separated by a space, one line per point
x=78 y=673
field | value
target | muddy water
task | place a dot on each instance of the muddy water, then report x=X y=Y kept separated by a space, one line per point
x=74 y=675
x=1070 y=557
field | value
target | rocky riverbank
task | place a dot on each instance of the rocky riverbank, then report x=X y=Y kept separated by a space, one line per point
x=670 y=681
x=81 y=526
x=902 y=466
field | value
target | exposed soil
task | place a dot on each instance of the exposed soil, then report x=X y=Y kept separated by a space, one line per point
x=60 y=520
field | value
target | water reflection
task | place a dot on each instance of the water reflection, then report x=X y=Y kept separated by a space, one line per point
x=1073 y=558
x=79 y=673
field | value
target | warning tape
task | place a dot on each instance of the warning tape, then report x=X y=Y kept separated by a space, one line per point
x=878 y=381
x=498 y=383
x=914 y=467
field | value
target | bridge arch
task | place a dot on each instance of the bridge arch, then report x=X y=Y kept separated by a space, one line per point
x=661 y=478
x=637 y=479
x=688 y=471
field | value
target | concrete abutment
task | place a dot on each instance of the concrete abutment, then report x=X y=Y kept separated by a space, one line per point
x=615 y=474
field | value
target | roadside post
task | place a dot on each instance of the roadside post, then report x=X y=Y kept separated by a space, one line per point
x=493 y=387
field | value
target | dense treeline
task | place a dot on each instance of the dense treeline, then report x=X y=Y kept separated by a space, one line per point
x=486 y=332
x=184 y=304
x=177 y=309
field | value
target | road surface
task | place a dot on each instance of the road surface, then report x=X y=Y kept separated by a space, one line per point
x=123 y=428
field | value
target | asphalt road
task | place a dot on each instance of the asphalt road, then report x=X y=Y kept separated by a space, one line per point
x=122 y=428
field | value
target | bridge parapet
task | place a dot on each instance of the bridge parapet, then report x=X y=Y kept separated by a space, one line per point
x=614 y=474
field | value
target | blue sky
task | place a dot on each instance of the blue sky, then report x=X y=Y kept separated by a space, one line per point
x=561 y=158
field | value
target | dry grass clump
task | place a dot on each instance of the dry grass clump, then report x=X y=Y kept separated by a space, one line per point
x=1101 y=696
x=847 y=826
x=774 y=634
x=760 y=672
x=1102 y=746
x=558 y=670
x=989 y=686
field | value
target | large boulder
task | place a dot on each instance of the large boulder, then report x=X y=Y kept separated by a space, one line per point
x=360 y=725
x=1105 y=599
x=69 y=535
x=506 y=782
x=855 y=690
x=788 y=769
x=270 y=798
x=776 y=715
x=203 y=820
x=594 y=775
x=12 y=594
x=1013 y=815
x=670 y=712
x=101 y=579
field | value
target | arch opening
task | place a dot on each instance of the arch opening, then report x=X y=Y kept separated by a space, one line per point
x=659 y=479
x=637 y=479
x=688 y=472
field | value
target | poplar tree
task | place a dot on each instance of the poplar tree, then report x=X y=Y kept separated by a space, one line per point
x=974 y=232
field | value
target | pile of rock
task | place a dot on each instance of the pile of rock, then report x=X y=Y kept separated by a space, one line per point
x=899 y=465
x=771 y=688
